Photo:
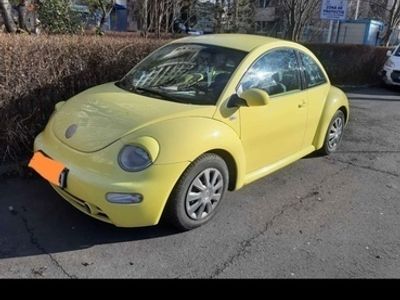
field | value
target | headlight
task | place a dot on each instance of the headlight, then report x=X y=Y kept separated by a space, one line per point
x=134 y=159
x=389 y=64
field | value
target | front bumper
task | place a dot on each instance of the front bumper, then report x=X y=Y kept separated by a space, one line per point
x=391 y=76
x=92 y=175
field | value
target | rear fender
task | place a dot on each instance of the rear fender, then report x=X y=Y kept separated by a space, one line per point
x=335 y=100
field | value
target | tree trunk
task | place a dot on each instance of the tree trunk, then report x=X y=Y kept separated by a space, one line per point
x=105 y=13
x=386 y=38
x=167 y=17
x=236 y=15
x=159 y=13
x=22 y=15
x=102 y=20
x=218 y=16
x=291 y=26
x=5 y=9
x=145 y=16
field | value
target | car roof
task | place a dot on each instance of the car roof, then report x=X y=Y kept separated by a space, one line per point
x=244 y=42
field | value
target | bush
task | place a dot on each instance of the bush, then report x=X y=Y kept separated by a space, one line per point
x=350 y=64
x=57 y=16
x=37 y=72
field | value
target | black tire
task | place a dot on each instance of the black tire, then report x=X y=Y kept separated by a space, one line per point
x=176 y=209
x=327 y=149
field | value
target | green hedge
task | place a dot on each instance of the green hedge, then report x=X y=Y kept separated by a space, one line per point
x=36 y=72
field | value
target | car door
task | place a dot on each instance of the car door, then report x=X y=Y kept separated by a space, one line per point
x=275 y=131
x=317 y=87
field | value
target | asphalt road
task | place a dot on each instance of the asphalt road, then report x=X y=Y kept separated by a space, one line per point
x=329 y=217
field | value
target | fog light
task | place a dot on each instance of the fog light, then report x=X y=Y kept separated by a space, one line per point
x=121 y=198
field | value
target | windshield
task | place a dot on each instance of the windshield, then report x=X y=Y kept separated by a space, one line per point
x=397 y=53
x=187 y=73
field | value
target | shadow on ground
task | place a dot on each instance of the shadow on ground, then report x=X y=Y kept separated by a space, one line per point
x=35 y=220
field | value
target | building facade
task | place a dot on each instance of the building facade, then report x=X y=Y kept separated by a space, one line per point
x=265 y=17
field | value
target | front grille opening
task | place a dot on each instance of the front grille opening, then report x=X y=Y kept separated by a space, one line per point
x=86 y=207
x=102 y=215
x=396 y=76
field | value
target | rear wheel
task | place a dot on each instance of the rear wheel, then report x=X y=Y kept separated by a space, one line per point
x=198 y=193
x=334 y=134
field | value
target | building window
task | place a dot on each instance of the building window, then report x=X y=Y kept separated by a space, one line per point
x=263 y=3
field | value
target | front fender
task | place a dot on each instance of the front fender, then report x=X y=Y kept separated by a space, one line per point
x=335 y=100
x=185 y=139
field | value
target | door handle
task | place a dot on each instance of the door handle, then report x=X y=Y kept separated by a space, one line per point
x=302 y=104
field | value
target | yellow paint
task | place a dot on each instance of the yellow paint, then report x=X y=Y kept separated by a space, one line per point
x=260 y=139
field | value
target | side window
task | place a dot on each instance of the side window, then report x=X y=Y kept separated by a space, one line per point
x=276 y=72
x=312 y=72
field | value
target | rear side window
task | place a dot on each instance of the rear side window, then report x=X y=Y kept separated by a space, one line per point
x=312 y=72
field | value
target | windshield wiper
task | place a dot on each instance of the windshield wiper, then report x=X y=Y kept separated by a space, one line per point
x=155 y=92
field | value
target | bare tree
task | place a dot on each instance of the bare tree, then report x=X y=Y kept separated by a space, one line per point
x=169 y=9
x=234 y=15
x=143 y=8
x=158 y=16
x=105 y=7
x=5 y=9
x=298 y=13
x=389 y=12
x=219 y=15
x=244 y=15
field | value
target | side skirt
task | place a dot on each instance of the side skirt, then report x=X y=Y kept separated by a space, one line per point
x=277 y=166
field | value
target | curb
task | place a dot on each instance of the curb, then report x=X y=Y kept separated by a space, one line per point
x=364 y=86
x=349 y=88
x=372 y=97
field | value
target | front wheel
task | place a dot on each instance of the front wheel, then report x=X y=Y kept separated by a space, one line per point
x=334 y=134
x=198 y=193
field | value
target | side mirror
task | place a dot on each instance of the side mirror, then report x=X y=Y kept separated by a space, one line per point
x=236 y=102
x=255 y=97
x=389 y=53
x=249 y=98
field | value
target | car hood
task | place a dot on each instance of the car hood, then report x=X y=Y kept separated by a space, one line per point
x=102 y=115
x=396 y=61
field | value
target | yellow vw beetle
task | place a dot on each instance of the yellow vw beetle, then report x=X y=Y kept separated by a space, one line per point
x=199 y=116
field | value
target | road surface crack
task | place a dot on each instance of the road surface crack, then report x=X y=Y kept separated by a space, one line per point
x=365 y=167
x=35 y=242
x=246 y=244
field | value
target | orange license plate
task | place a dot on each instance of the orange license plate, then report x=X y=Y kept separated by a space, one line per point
x=51 y=170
